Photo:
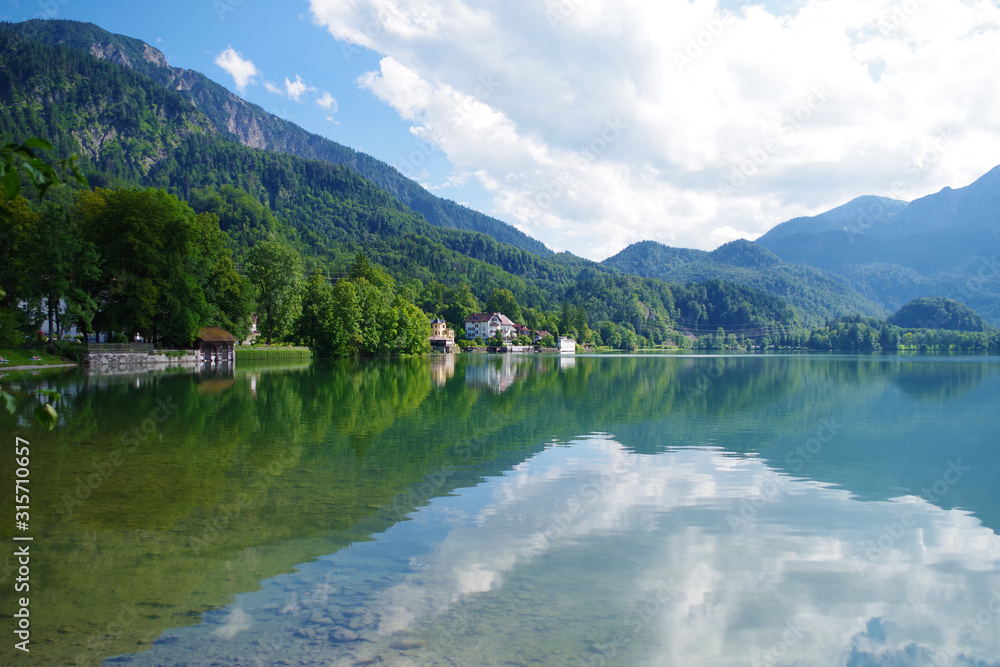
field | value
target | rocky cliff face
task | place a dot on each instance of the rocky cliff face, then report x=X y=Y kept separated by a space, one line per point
x=252 y=126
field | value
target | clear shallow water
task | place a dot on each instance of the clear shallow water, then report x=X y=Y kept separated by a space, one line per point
x=792 y=510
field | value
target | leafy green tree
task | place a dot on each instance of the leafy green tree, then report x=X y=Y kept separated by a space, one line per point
x=364 y=316
x=340 y=333
x=502 y=300
x=146 y=240
x=240 y=214
x=274 y=269
x=317 y=303
x=43 y=174
x=59 y=264
x=228 y=294
x=412 y=328
x=460 y=302
x=17 y=225
x=362 y=268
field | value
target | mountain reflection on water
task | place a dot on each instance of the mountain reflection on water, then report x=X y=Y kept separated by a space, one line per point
x=521 y=510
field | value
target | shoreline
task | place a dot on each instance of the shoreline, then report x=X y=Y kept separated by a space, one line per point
x=35 y=368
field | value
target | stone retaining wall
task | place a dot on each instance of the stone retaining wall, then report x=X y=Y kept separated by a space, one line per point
x=133 y=359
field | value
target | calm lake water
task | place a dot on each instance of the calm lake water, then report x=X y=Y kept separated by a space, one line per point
x=474 y=510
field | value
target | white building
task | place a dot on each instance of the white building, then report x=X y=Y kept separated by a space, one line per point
x=485 y=325
x=567 y=345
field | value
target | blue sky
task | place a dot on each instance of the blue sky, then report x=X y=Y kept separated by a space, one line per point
x=592 y=124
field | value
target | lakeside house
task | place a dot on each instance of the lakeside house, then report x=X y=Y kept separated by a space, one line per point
x=442 y=338
x=566 y=345
x=215 y=344
x=486 y=325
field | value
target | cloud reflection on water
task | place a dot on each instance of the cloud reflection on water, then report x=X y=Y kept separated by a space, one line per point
x=817 y=577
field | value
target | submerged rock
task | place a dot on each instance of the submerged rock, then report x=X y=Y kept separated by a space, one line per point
x=341 y=635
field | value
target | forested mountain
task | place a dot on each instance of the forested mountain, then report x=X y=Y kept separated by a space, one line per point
x=134 y=132
x=945 y=244
x=937 y=313
x=817 y=295
x=867 y=257
x=252 y=126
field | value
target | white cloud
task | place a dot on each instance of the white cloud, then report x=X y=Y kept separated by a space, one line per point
x=598 y=124
x=272 y=88
x=296 y=89
x=241 y=69
x=327 y=101
x=723 y=595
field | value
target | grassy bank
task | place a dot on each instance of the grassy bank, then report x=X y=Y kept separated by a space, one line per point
x=21 y=357
x=263 y=353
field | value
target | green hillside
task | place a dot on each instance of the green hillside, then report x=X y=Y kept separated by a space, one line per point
x=938 y=313
x=816 y=295
x=131 y=132
x=252 y=126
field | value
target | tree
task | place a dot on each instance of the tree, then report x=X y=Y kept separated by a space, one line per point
x=460 y=303
x=228 y=294
x=15 y=158
x=317 y=303
x=148 y=284
x=59 y=264
x=274 y=269
x=502 y=301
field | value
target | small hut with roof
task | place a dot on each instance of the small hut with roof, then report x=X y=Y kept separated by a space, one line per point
x=215 y=344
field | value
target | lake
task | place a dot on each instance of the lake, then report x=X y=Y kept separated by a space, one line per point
x=518 y=510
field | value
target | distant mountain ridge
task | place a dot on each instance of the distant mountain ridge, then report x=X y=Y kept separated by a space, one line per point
x=817 y=295
x=254 y=127
x=150 y=123
x=944 y=244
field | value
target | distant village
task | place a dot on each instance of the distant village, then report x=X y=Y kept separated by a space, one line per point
x=495 y=332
